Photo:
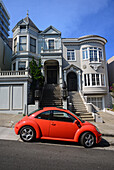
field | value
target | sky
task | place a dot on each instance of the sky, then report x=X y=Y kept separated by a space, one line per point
x=74 y=18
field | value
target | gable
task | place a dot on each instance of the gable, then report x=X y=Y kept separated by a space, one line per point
x=51 y=30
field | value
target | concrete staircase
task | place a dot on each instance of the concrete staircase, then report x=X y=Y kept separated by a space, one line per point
x=51 y=96
x=78 y=106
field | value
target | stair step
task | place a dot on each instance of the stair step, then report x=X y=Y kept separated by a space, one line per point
x=51 y=96
x=88 y=119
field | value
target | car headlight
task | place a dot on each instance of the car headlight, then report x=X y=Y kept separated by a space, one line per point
x=97 y=129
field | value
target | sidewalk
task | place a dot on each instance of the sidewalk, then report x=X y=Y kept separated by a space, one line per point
x=7 y=122
x=107 y=127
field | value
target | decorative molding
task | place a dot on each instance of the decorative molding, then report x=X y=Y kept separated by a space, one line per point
x=95 y=66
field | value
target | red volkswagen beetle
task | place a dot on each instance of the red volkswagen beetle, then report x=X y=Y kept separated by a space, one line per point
x=57 y=124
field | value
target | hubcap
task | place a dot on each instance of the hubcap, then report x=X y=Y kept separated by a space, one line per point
x=27 y=134
x=89 y=140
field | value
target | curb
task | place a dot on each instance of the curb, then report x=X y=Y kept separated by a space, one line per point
x=107 y=135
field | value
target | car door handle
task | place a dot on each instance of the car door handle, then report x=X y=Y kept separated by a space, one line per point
x=53 y=124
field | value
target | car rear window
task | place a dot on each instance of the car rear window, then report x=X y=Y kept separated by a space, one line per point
x=29 y=114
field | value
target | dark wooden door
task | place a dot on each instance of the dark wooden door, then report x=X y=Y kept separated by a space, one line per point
x=72 y=82
x=52 y=76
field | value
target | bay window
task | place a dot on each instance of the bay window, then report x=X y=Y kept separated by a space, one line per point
x=94 y=79
x=32 y=45
x=22 y=43
x=15 y=45
x=94 y=54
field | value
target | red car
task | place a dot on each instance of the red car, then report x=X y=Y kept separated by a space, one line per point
x=57 y=124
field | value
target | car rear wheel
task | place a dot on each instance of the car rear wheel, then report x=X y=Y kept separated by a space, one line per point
x=87 y=140
x=27 y=133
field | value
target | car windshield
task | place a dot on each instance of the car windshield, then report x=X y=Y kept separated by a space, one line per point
x=78 y=117
x=33 y=112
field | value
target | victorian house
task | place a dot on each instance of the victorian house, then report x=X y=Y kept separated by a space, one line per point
x=77 y=63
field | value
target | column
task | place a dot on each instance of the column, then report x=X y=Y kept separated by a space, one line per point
x=79 y=81
x=17 y=42
x=16 y=65
x=28 y=42
x=60 y=75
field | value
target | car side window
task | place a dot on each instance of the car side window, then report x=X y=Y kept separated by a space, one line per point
x=44 y=115
x=62 y=116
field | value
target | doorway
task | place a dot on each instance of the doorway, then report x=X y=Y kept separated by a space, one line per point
x=51 y=74
x=72 y=81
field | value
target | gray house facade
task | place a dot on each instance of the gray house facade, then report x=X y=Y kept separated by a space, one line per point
x=80 y=63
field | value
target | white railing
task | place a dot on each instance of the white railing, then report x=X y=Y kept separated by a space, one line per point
x=51 y=50
x=22 y=73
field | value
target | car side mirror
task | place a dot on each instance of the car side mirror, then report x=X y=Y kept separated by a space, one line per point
x=78 y=123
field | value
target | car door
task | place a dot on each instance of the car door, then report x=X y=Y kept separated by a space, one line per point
x=62 y=125
x=43 y=121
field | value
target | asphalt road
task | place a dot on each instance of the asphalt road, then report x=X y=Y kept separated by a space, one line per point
x=16 y=155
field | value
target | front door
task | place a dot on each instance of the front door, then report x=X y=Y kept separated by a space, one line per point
x=62 y=126
x=72 y=81
x=51 y=75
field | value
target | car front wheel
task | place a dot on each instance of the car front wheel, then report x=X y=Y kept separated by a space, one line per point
x=27 y=133
x=87 y=140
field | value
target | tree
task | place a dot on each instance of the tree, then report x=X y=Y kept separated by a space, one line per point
x=35 y=70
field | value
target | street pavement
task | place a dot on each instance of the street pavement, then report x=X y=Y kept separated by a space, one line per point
x=15 y=155
x=7 y=122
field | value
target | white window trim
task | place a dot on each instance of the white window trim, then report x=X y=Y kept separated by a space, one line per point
x=74 y=55
x=88 y=51
x=24 y=35
x=47 y=42
x=90 y=76
x=98 y=96
x=36 y=43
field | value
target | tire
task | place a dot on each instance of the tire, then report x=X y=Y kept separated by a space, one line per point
x=87 y=140
x=27 y=134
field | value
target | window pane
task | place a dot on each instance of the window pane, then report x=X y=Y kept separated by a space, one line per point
x=102 y=80
x=33 y=49
x=23 y=39
x=91 y=55
x=70 y=55
x=73 y=55
x=100 y=55
x=97 y=78
x=83 y=53
x=62 y=116
x=22 y=47
x=86 y=54
x=85 y=80
x=51 y=44
x=22 y=43
x=95 y=55
x=88 y=77
x=14 y=66
x=21 y=65
x=32 y=41
x=93 y=79
x=44 y=115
